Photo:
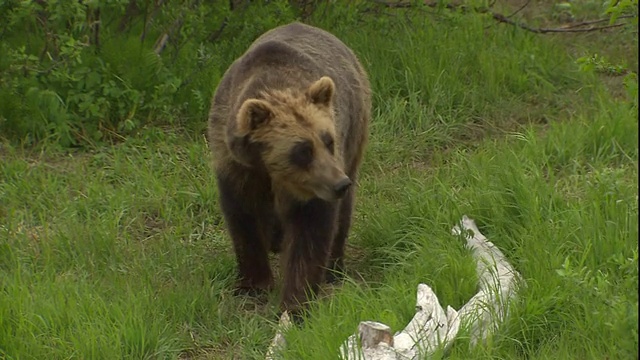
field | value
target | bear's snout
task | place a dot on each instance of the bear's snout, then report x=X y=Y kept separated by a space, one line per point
x=341 y=187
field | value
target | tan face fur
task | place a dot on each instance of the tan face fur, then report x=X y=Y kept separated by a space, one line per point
x=300 y=148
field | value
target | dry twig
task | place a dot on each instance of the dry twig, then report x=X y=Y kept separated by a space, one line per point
x=503 y=19
x=506 y=19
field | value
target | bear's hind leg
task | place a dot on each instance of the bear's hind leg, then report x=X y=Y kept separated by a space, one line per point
x=254 y=272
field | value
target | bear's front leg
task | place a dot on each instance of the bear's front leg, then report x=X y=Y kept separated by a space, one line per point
x=336 y=269
x=309 y=231
x=254 y=272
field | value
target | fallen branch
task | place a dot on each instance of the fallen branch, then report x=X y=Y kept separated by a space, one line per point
x=498 y=282
x=432 y=327
x=161 y=43
x=501 y=18
x=569 y=29
x=148 y=18
x=279 y=342
x=175 y=27
x=591 y=22
x=409 y=4
x=519 y=9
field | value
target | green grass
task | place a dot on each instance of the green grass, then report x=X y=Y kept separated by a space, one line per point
x=562 y=207
x=121 y=252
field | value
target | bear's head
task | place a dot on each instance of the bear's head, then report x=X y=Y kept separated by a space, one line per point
x=293 y=134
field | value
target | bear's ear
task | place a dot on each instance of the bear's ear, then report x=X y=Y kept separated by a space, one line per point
x=253 y=114
x=321 y=91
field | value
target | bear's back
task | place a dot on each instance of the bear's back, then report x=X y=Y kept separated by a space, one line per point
x=291 y=56
x=308 y=42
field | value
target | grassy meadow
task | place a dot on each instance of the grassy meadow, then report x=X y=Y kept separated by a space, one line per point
x=120 y=251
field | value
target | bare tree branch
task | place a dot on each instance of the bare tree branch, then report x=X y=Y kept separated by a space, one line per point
x=161 y=44
x=162 y=41
x=131 y=11
x=503 y=19
x=148 y=17
x=93 y=20
x=520 y=9
x=572 y=28
x=409 y=4
x=216 y=34
x=591 y=22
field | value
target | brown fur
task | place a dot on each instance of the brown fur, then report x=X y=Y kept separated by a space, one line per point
x=298 y=93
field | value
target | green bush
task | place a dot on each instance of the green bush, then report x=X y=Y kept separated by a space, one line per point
x=81 y=72
x=75 y=73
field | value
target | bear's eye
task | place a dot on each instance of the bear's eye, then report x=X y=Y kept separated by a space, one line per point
x=302 y=154
x=327 y=139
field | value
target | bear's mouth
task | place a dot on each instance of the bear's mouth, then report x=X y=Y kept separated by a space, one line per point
x=326 y=194
x=333 y=192
x=324 y=190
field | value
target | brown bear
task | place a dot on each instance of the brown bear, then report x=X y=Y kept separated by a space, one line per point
x=287 y=128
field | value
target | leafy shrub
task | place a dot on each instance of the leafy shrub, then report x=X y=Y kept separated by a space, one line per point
x=80 y=72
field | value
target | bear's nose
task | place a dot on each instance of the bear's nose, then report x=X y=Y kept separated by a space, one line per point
x=341 y=187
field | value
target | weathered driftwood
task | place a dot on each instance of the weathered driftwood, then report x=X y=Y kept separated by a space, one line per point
x=279 y=342
x=373 y=333
x=432 y=328
x=498 y=282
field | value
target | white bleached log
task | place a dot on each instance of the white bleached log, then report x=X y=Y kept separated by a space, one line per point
x=432 y=328
x=373 y=333
x=279 y=342
x=498 y=282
